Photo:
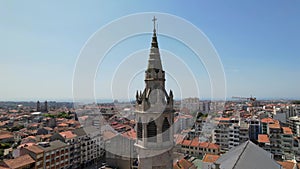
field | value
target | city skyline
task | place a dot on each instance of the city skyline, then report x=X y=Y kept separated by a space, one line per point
x=256 y=42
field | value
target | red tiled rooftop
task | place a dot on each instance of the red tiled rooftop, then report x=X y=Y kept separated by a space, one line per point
x=186 y=142
x=223 y=119
x=19 y=162
x=287 y=164
x=67 y=134
x=210 y=158
x=267 y=120
x=114 y=123
x=286 y=130
x=263 y=138
x=34 y=149
x=120 y=127
x=30 y=137
x=276 y=125
x=195 y=142
x=130 y=134
x=6 y=136
x=209 y=145
x=183 y=164
x=62 y=125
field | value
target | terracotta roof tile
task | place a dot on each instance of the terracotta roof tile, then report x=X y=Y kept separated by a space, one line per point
x=183 y=164
x=209 y=145
x=62 y=125
x=267 y=120
x=195 y=142
x=34 y=149
x=131 y=134
x=19 y=161
x=286 y=130
x=210 y=158
x=263 y=138
x=274 y=126
x=287 y=164
x=67 y=134
x=186 y=142
x=6 y=136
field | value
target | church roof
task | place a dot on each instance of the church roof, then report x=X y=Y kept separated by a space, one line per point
x=247 y=155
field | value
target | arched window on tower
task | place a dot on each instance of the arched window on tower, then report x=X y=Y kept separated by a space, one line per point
x=140 y=129
x=151 y=131
x=165 y=131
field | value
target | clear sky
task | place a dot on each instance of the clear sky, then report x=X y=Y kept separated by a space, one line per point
x=257 y=41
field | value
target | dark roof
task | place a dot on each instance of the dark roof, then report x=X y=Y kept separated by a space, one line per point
x=86 y=130
x=79 y=132
x=247 y=155
x=53 y=145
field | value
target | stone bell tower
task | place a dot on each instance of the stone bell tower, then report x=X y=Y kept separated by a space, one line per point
x=154 y=115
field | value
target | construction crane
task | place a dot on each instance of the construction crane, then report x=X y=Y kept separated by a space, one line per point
x=244 y=98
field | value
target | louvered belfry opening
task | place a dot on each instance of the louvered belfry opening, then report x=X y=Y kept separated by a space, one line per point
x=140 y=129
x=151 y=131
x=165 y=131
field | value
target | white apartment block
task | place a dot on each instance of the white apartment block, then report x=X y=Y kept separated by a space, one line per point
x=294 y=124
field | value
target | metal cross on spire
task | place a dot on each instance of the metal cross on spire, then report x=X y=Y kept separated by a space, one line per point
x=154 y=20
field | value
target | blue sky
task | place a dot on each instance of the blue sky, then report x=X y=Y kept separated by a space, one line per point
x=257 y=41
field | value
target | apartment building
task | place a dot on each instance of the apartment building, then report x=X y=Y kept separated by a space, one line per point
x=233 y=136
x=35 y=153
x=193 y=104
x=90 y=145
x=296 y=148
x=84 y=143
x=265 y=125
x=243 y=132
x=254 y=129
x=56 y=154
x=275 y=140
x=264 y=142
x=294 y=124
x=287 y=143
x=198 y=149
x=221 y=133
x=227 y=133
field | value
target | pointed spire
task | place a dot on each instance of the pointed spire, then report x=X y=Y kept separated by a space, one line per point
x=154 y=61
x=154 y=43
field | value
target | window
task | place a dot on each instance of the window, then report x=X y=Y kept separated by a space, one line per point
x=165 y=130
x=151 y=131
x=140 y=129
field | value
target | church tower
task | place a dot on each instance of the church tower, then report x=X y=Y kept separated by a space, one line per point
x=154 y=115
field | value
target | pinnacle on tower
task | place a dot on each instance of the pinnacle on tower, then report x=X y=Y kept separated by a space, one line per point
x=154 y=57
x=154 y=43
